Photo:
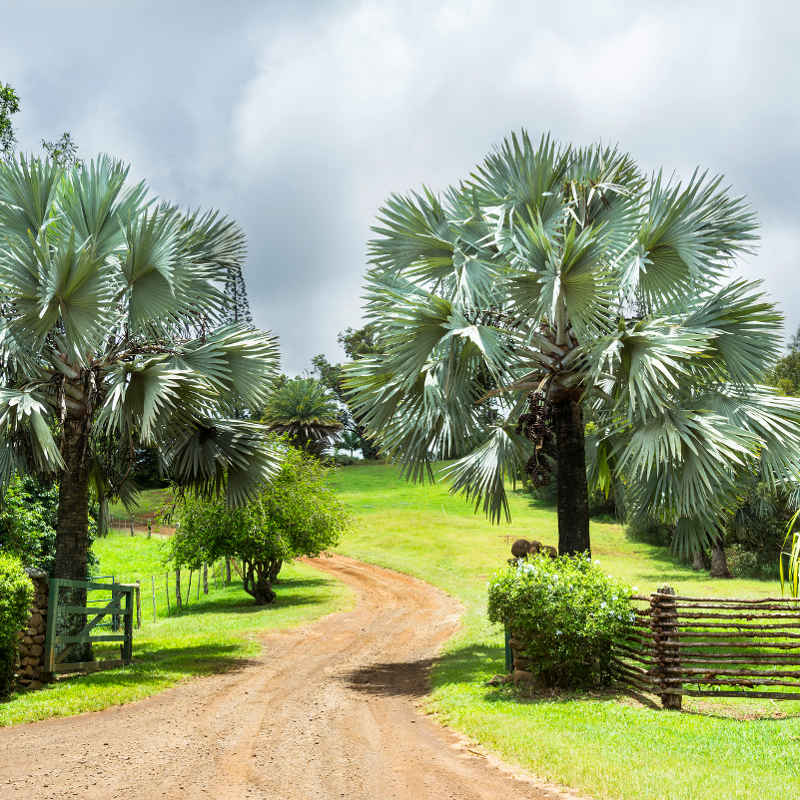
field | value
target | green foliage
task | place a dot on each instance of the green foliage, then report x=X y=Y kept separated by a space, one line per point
x=435 y=537
x=16 y=593
x=297 y=514
x=28 y=521
x=789 y=558
x=113 y=338
x=566 y=613
x=569 y=272
x=743 y=563
x=752 y=531
x=356 y=343
x=786 y=374
x=306 y=412
x=360 y=342
x=63 y=151
x=9 y=104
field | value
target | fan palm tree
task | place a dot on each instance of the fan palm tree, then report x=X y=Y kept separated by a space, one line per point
x=111 y=339
x=556 y=283
x=351 y=441
x=306 y=412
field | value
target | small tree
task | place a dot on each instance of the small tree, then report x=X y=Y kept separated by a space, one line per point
x=9 y=104
x=297 y=514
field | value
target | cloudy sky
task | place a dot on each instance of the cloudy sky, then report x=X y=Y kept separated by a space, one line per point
x=298 y=119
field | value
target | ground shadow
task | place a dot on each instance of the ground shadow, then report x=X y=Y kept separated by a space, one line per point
x=393 y=679
x=195 y=660
x=286 y=597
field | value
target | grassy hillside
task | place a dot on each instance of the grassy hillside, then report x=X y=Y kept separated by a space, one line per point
x=611 y=747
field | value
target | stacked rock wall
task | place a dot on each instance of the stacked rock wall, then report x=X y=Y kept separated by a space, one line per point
x=31 y=673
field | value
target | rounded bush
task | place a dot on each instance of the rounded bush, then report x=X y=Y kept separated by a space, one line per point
x=16 y=593
x=563 y=614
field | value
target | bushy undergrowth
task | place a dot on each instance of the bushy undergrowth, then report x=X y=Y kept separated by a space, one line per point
x=565 y=612
x=16 y=593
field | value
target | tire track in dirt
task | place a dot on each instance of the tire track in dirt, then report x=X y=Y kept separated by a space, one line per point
x=326 y=711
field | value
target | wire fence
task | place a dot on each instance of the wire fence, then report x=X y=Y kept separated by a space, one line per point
x=175 y=592
x=136 y=525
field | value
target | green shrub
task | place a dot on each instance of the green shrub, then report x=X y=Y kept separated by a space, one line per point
x=28 y=520
x=565 y=612
x=743 y=563
x=16 y=593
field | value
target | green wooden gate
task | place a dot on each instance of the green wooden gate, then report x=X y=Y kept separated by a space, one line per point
x=62 y=634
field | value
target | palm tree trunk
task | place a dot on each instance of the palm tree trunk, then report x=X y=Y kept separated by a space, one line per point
x=573 y=492
x=719 y=561
x=103 y=515
x=72 y=527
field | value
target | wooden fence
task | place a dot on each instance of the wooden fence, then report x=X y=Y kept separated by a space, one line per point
x=711 y=647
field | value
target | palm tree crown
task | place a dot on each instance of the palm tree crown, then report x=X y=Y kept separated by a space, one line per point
x=111 y=337
x=306 y=412
x=557 y=284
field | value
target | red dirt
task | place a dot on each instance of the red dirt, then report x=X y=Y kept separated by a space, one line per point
x=327 y=711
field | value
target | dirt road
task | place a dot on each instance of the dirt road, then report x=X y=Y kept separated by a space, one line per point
x=327 y=711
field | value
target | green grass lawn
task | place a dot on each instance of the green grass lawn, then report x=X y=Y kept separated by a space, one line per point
x=148 y=502
x=218 y=632
x=610 y=747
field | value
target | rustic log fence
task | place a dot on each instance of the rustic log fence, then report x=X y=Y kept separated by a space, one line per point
x=711 y=647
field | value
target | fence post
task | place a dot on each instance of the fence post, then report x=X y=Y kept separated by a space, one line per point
x=127 y=645
x=50 y=630
x=138 y=605
x=114 y=617
x=664 y=622
x=178 y=598
x=153 y=587
x=509 y=653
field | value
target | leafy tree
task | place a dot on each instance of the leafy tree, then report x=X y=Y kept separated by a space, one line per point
x=360 y=342
x=330 y=375
x=16 y=594
x=306 y=412
x=28 y=521
x=63 y=151
x=109 y=332
x=9 y=104
x=794 y=342
x=297 y=514
x=577 y=283
x=785 y=375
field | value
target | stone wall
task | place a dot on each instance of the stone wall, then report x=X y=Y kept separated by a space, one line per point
x=31 y=674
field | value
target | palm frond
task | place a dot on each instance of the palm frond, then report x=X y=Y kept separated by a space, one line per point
x=481 y=475
x=212 y=456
